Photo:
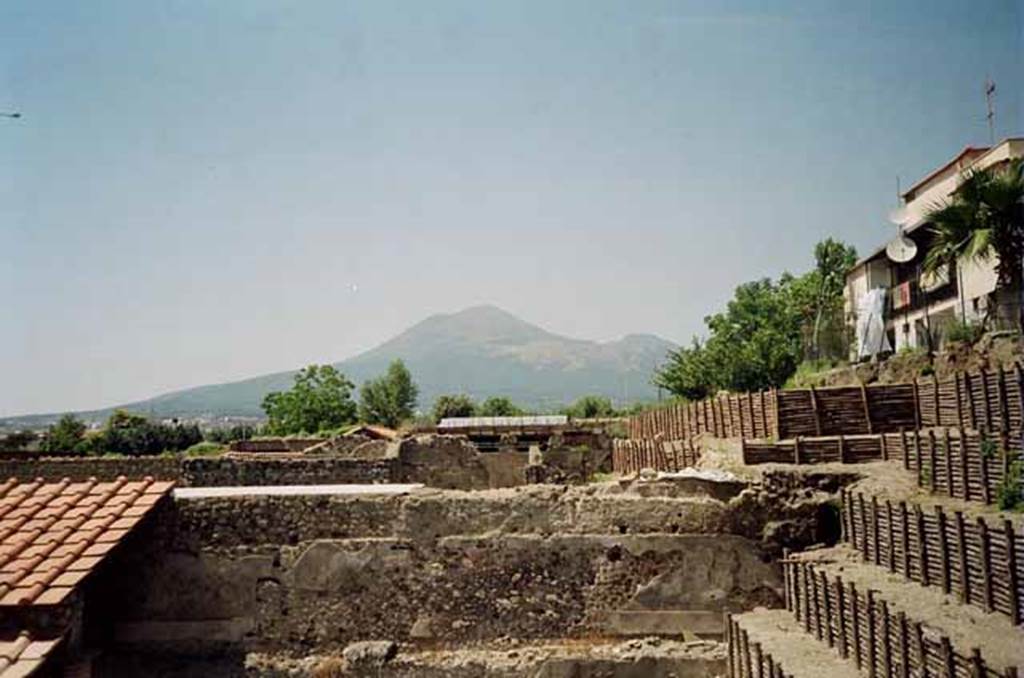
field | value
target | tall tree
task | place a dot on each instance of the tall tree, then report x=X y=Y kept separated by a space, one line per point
x=389 y=400
x=985 y=218
x=64 y=437
x=320 y=399
x=832 y=260
x=761 y=336
x=448 y=406
x=498 y=406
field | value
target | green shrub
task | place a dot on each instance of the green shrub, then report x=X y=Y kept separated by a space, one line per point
x=204 y=449
x=1010 y=495
x=988 y=448
x=967 y=332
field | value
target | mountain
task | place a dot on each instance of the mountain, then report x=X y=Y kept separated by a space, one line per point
x=481 y=351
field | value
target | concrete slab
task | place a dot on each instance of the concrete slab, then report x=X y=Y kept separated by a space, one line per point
x=294 y=490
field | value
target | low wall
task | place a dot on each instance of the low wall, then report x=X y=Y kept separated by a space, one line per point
x=221 y=472
x=293 y=574
x=207 y=471
x=103 y=469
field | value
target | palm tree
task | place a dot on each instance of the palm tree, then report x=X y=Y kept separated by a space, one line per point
x=985 y=218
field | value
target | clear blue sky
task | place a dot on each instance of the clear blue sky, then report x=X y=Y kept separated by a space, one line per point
x=202 y=191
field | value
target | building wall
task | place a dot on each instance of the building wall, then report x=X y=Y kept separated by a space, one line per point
x=977 y=279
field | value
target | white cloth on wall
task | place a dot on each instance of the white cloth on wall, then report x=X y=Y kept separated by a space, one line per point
x=871 y=339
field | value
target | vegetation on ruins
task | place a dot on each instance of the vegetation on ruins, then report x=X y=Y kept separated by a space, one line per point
x=985 y=218
x=457 y=405
x=320 y=399
x=225 y=435
x=766 y=331
x=390 y=399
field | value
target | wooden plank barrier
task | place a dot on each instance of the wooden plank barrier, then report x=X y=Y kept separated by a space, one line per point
x=854 y=449
x=987 y=400
x=968 y=465
x=859 y=625
x=630 y=456
x=979 y=561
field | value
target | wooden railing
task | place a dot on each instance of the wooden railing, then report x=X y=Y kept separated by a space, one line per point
x=860 y=626
x=980 y=562
x=827 y=449
x=984 y=400
x=630 y=456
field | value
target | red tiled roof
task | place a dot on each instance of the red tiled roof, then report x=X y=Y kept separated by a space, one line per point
x=52 y=535
x=22 y=656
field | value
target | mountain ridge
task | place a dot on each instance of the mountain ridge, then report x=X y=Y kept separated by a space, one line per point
x=481 y=351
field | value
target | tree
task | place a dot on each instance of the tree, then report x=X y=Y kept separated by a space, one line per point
x=320 y=399
x=832 y=260
x=17 y=441
x=64 y=437
x=389 y=400
x=498 y=406
x=134 y=434
x=985 y=218
x=760 y=338
x=448 y=406
x=591 y=406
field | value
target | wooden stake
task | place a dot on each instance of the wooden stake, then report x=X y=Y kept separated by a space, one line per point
x=1011 y=571
x=986 y=564
x=961 y=552
x=940 y=518
x=867 y=408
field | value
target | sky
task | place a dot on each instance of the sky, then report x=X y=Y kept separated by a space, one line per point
x=203 y=191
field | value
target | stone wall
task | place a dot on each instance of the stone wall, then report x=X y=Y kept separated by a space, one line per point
x=80 y=468
x=303 y=574
x=223 y=471
x=207 y=471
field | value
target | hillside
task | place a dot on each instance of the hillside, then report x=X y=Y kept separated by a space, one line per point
x=482 y=351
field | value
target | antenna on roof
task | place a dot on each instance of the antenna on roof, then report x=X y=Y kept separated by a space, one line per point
x=990 y=115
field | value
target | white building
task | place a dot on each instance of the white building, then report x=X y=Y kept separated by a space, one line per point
x=919 y=306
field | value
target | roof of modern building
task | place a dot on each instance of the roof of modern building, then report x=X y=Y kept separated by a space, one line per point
x=21 y=655
x=972 y=152
x=53 y=535
x=964 y=160
x=503 y=422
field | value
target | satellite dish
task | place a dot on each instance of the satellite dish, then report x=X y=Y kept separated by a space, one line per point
x=900 y=216
x=901 y=249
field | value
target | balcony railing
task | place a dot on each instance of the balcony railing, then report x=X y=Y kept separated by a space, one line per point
x=911 y=296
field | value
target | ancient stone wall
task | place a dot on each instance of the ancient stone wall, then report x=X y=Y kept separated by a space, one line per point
x=207 y=471
x=297 y=574
x=104 y=469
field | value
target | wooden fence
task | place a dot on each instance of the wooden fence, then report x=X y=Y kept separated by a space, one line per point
x=750 y=415
x=629 y=456
x=966 y=465
x=826 y=449
x=746 y=659
x=861 y=626
x=846 y=410
x=981 y=563
x=983 y=400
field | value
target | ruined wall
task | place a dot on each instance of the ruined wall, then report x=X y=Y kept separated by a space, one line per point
x=222 y=471
x=103 y=469
x=207 y=471
x=313 y=573
x=438 y=461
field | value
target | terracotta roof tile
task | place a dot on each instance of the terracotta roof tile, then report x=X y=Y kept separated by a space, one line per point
x=21 y=655
x=52 y=535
